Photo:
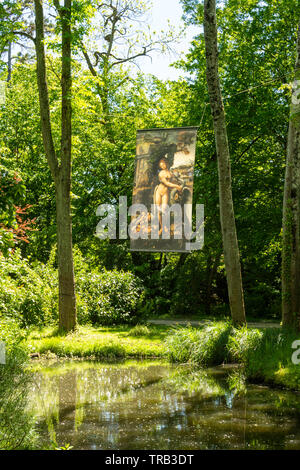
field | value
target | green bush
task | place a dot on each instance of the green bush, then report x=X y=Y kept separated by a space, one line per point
x=110 y=297
x=260 y=351
x=27 y=293
x=16 y=425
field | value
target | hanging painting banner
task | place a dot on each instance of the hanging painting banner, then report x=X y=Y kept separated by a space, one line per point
x=162 y=199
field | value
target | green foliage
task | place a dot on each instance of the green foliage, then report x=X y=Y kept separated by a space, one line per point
x=211 y=348
x=264 y=355
x=21 y=153
x=266 y=350
x=256 y=59
x=27 y=294
x=242 y=342
x=110 y=297
x=94 y=349
x=237 y=382
x=12 y=192
x=256 y=56
x=180 y=343
x=205 y=346
x=16 y=425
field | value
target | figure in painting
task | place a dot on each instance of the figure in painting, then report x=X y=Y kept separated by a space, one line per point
x=161 y=192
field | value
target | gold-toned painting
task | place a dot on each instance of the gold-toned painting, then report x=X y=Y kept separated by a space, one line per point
x=163 y=188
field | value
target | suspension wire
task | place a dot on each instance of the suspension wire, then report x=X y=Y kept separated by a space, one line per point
x=246 y=90
x=268 y=82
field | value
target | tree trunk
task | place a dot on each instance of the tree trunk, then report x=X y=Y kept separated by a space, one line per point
x=61 y=172
x=67 y=302
x=291 y=211
x=9 y=62
x=229 y=236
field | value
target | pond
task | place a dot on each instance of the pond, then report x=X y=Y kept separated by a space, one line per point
x=156 y=406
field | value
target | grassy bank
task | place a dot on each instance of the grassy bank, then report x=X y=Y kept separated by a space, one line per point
x=266 y=355
x=101 y=342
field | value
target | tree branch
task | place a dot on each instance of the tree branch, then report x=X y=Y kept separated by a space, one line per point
x=121 y=61
x=247 y=148
x=26 y=35
x=88 y=61
x=58 y=7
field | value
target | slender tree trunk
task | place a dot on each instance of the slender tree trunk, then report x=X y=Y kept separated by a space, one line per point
x=67 y=302
x=43 y=91
x=229 y=236
x=61 y=172
x=291 y=211
x=9 y=63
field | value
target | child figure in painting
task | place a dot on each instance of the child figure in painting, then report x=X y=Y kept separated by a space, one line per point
x=161 y=192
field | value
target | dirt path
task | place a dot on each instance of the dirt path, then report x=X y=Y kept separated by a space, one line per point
x=203 y=322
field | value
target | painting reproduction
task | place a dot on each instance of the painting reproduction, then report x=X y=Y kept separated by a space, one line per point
x=163 y=188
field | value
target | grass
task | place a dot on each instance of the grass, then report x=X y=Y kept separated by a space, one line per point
x=214 y=317
x=139 y=330
x=204 y=346
x=100 y=342
x=266 y=355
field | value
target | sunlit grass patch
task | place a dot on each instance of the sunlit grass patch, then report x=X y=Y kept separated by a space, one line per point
x=99 y=342
x=139 y=330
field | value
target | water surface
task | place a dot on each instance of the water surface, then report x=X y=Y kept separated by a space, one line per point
x=151 y=405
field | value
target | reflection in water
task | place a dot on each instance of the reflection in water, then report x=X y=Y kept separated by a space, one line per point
x=142 y=405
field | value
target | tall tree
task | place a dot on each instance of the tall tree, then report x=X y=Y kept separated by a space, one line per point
x=291 y=210
x=118 y=43
x=60 y=168
x=229 y=235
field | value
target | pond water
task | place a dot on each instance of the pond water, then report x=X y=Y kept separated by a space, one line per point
x=153 y=405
